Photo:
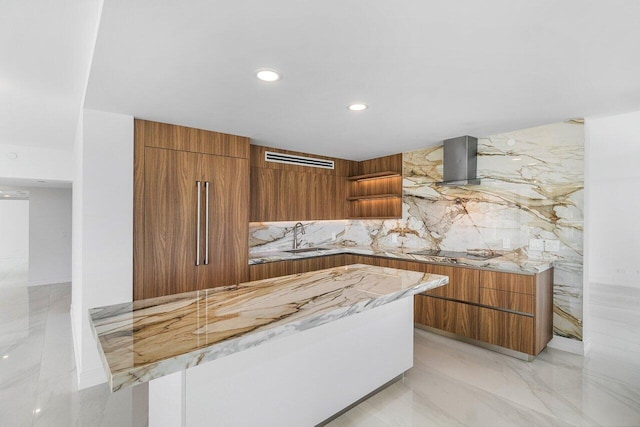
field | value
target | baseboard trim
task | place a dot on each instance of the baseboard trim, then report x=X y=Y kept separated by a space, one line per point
x=48 y=282
x=586 y=345
x=567 y=344
x=76 y=344
x=88 y=378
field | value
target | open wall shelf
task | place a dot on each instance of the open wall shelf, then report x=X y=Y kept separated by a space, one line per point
x=376 y=195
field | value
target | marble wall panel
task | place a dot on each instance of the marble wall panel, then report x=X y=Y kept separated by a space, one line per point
x=532 y=186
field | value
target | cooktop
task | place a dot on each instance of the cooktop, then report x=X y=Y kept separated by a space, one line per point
x=480 y=255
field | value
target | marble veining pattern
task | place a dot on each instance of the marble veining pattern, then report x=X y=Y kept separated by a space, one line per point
x=151 y=338
x=451 y=383
x=510 y=262
x=532 y=183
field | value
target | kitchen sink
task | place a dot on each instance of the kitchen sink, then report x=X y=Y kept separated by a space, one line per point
x=302 y=250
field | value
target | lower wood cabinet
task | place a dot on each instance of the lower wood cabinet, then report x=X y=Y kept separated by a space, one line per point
x=505 y=309
x=284 y=268
x=451 y=316
x=504 y=329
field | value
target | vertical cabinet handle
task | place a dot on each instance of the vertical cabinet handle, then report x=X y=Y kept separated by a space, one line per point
x=199 y=185
x=206 y=224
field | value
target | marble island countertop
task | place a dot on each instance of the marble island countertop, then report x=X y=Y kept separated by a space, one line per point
x=517 y=261
x=151 y=338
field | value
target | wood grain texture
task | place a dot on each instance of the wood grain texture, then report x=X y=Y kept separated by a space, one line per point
x=287 y=195
x=283 y=268
x=463 y=283
x=505 y=329
x=523 y=303
x=173 y=137
x=165 y=208
x=342 y=167
x=456 y=317
x=518 y=332
x=377 y=208
x=138 y=212
x=544 y=310
x=170 y=219
x=380 y=164
x=228 y=179
x=509 y=282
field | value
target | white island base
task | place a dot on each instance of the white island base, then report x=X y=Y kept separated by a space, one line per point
x=298 y=380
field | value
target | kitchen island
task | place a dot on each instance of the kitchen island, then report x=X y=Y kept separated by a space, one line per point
x=291 y=350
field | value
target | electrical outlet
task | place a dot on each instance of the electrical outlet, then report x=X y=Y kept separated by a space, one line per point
x=394 y=238
x=333 y=237
x=506 y=243
x=536 y=244
x=552 y=245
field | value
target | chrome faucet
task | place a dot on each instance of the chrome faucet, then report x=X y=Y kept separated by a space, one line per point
x=295 y=234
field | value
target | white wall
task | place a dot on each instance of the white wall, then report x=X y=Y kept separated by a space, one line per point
x=613 y=205
x=102 y=228
x=49 y=236
x=14 y=229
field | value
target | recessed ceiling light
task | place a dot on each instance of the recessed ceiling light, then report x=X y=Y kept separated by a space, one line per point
x=358 y=107
x=6 y=356
x=6 y=195
x=515 y=159
x=268 y=75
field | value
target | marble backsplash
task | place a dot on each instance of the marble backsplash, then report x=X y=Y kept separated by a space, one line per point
x=532 y=184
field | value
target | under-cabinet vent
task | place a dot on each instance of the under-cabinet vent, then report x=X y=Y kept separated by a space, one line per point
x=289 y=159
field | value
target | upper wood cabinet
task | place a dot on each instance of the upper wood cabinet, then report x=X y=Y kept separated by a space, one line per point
x=290 y=192
x=285 y=192
x=173 y=137
x=190 y=210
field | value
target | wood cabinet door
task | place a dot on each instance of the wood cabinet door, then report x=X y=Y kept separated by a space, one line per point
x=508 y=282
x=225 y=239
x=286 y=195
x=463 y=283
x=505 y=329
x=455 y=317
x=170 y=222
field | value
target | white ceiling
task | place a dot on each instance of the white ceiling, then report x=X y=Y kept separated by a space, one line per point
x=429 y=70
x=39 y=102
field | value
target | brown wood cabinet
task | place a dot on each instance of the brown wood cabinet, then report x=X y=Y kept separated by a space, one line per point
x=376 y=190
x=285 y=192
x=284 y=268
x=505 y=309
x=289 y=192
x=178 y=247
x=450 y=316
x=505 y=329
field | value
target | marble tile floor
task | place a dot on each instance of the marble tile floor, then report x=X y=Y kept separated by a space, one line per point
x=37 y=367
x=451 y=384
x=456 y=384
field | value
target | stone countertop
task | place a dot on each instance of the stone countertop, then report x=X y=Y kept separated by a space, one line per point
x=151 y=338
x=517 y=261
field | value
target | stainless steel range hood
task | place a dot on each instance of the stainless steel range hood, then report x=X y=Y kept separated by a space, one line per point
x=460 y=161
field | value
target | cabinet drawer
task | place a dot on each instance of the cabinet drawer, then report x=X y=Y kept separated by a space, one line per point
x=509 y=282
x=455 y=317
x=514 y=331
x=522 y=303
x=462 y=286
